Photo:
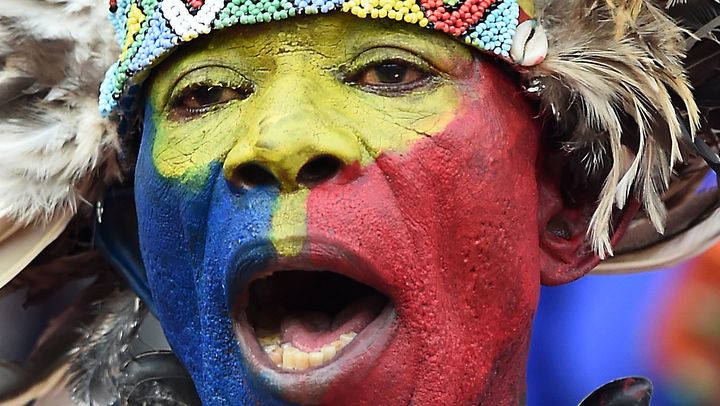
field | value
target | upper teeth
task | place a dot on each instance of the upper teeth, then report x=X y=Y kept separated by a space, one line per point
x=288 y=357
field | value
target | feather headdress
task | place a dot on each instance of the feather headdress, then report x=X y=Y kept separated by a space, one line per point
x=55 y=150
x=610 y=88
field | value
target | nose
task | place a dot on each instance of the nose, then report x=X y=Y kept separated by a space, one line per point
x=289 y=151
x=313 y=172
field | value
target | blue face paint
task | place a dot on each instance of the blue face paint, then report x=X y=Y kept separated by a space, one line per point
x=196 y=245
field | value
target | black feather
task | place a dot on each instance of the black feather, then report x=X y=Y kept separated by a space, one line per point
x=702 y=19
x=694 y=14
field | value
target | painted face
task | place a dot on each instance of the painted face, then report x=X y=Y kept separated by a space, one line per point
x=341 y=211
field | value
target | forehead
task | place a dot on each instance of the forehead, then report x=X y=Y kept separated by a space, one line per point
x=333 y=37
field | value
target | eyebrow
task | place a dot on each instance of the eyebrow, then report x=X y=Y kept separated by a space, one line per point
x=428 y=46
x=443 y=52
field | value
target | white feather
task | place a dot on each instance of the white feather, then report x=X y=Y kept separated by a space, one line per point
x=51 y=135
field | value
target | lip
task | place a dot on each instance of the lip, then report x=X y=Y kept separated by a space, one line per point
x=355 y=360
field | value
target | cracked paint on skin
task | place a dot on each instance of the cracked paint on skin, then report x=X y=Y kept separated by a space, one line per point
x=440 y=196
x=364 y=124
x=358 y=125
x=288 y=227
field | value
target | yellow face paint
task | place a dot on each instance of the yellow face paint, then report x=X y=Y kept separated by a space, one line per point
x=300 y=102
x=298 y=93
x=528 y=6
x=288 y=223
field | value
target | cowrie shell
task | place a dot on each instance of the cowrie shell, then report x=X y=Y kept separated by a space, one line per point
x=530 y=44
x=189 y=26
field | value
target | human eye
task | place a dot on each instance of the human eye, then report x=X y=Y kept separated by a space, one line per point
x=197 y=99
x=392 y=76
x=205 y=89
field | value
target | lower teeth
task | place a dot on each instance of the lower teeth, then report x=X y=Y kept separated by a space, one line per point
x=286 y=356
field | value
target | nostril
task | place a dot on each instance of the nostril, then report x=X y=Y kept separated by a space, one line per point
x=318 y=170
x=252 y=175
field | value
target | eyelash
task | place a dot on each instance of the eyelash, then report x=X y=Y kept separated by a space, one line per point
x=176 y=101
x=393 y=90
x=181 y=112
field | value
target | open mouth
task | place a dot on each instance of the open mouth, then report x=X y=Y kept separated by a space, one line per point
x=299 y=321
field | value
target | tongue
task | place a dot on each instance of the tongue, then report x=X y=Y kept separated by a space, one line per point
x=310 y=330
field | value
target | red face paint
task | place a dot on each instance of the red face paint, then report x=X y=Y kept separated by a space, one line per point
x=451 y=228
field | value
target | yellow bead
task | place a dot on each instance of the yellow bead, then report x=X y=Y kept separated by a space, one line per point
x=362 y=13
x=414 y=8
x=391 y=13
x=374 y=13
x=424 y=22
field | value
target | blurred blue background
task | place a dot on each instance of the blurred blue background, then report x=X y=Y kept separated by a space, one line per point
x=597 y=329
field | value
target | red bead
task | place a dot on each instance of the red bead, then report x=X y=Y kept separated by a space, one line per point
x=457 y=22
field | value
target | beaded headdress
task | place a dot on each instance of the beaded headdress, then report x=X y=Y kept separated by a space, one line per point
x=147 y=30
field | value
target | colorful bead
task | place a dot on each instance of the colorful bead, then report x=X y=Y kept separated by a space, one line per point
x=158 y=39
x=148 y=29
x=400 y=10
x=496 y=32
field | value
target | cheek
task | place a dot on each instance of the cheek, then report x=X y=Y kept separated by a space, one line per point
x=451 y=226
x=453 y=219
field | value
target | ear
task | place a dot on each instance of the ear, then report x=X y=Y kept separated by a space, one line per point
x=564 y=215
